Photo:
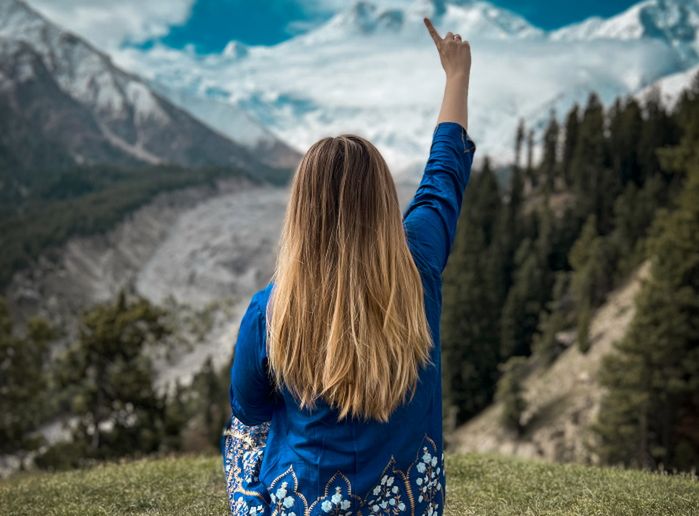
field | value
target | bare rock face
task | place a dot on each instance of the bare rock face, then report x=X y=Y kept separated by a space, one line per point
x=62 y=103
x=201 y=252
x=73 y=102
x=563 y=399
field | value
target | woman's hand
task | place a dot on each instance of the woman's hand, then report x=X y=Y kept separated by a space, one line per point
x=456 y=61
x=454 y=54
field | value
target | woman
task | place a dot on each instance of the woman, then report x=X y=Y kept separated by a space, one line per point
x=335 y=384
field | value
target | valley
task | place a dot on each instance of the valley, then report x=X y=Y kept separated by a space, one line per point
x=163 y=172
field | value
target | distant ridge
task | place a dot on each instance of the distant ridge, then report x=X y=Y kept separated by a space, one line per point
x=370 y=69
x=62 y=101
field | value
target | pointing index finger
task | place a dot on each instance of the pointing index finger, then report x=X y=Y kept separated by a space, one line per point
x=433 y=32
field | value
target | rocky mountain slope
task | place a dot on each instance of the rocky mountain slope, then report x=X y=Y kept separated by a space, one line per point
x=62 y=102
x=70 y=100
x=201 y=252
x=671 y=87
x=563 y=399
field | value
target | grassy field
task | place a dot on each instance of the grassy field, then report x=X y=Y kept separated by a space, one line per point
x=477 y=484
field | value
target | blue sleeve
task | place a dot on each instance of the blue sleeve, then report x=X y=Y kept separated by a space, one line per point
x=251 y=391
x=431 y=216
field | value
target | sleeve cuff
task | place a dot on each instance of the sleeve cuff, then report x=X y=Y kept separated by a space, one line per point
x=456 y=132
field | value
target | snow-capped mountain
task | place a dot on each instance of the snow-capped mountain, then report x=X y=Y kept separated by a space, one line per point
x=671 y=87
x=674 y=22
x=372 y=69
x=367 y=17
x=58 y=90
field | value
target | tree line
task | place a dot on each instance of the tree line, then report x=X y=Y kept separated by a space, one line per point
x=538 y=252
x=101 y=389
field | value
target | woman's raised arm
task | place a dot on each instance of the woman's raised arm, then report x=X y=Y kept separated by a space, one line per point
x=431 y=216
x=455 y=56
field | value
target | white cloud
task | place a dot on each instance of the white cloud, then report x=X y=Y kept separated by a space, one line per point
x=300 y=26
x=107 y=24
x=388 y=87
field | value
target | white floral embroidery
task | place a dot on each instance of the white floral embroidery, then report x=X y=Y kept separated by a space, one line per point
x=429 y=482
x=386 y=497
x=416 y=490
x=243 y=452
x=281 y=501
x=337 y=498
x=251 y=462
x=337 y=504
x=243 y=508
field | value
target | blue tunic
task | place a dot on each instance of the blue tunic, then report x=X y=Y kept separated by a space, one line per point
x=312 y=463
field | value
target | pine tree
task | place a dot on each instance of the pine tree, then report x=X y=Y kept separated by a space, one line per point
x=510 y=393
x=531 y=285
x=658 y=131
x=570 y=142
x=525 y=300
x=588 y=167
x=530 y=173
x=212 y=402
x=555 y=319
x=23 y=382
x=625 y=126
x=519 y=142
x=175 y=418
x=634 y=211
x=549 y=162
x=593 y=262
x=110 y=379
x=583 y=328
x=512 y=224
x=650 y=414
x=678 y=158
x=471 y=302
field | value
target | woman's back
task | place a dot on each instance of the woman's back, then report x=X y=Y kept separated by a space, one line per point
x=315 y=464
x=336 y=381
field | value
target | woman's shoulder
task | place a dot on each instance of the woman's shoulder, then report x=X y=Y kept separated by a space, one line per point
x=260 y=298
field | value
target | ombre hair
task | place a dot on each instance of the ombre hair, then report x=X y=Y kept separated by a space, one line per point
x=346 y=319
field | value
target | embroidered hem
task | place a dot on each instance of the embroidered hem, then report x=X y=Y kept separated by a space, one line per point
x=417 y=490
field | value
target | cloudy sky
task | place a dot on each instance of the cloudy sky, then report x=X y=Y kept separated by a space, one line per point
x=207 y=25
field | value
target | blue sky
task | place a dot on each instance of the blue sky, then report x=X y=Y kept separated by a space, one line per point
x=552 y=14
x=213 y=23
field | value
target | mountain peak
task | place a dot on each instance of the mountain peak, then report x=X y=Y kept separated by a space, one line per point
x=368 y=17
x=61 y=89
x=475 y=19
x=235 y=50
x=674 y=22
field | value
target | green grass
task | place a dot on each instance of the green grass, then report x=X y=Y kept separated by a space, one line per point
x=477 y=484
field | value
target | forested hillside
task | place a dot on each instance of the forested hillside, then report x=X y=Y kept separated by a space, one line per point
x=534 y=260
x=83 y=143
x=532 y=264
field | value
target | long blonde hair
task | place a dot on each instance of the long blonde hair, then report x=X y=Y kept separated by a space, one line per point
x=346 y=318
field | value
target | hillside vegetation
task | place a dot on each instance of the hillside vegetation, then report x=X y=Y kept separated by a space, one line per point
x=531 y=281
x=43 y=209
x=477 y=484
x=561 y=399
